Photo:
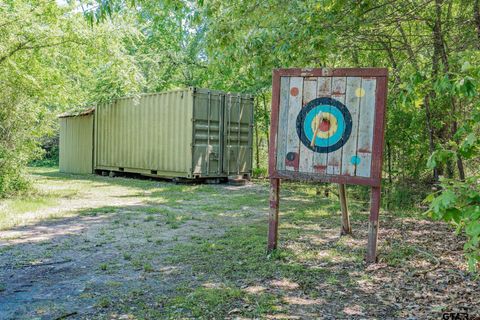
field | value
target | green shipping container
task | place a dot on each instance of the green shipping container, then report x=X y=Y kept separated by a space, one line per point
x=76 y=142
x=189 y=133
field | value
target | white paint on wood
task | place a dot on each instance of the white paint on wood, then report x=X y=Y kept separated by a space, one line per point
x=365 y=127
x=324 y=89
x=334 y=159
x=294 y=107
x=339 y=85
x=353 y=106
x=283 y=122
x=306 y=155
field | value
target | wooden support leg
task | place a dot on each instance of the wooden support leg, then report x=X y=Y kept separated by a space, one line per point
x=273 y=217
x=373 y=226
x=346 y=227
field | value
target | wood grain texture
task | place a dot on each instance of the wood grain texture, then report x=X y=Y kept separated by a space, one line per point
x=373 y=225
x=294 y=107
x=306 y=155
x=378 y=132
x=353 y=106
x=346 y=227
x=365 y=128
x=274 y=214
x=272 y=148
x=334 y=159
x=366 y=109
x=324 y=89
x=283 y=119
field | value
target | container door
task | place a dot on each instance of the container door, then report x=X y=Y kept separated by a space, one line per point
x=238 y=135
x=207 y=140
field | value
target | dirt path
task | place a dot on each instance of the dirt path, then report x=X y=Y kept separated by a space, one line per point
x=110 y=239
x=115 y=248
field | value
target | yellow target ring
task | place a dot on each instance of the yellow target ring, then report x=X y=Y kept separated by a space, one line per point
x=324 y=117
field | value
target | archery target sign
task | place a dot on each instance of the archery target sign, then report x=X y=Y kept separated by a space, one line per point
x=327 y=124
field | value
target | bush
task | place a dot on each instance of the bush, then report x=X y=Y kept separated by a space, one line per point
x=50 y=150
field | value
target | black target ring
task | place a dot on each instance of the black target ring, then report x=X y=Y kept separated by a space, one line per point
x=334 y=134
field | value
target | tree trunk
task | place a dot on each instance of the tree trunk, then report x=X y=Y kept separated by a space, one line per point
x=476 y=16
x=389 y=162
x=426 y=103
x=257 y=151
x=461 y=170
x=267 y=116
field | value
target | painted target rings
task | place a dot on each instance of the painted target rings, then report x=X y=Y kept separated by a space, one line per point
x=324 y=125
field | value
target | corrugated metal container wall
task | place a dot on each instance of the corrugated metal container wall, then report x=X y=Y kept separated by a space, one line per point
x=76 y=144
x=207 y=135
x=180 y=133
x=151 y=135
x=238 y=135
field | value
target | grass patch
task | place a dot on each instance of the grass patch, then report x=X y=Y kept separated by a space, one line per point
x=239 y=256
x=104 y=302
x=397 y=254
x=18 y=211
x=97 y=211
x=218 y=303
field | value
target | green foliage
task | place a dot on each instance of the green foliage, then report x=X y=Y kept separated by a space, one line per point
x=458 y=202
x=52 y=60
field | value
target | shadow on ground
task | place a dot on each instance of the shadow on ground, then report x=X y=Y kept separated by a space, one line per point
x=140 y=249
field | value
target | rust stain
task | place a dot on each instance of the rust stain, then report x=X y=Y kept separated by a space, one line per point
x=364 y=151
x=320 y=168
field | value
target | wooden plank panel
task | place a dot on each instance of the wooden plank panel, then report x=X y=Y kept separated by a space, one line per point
x=306 y=155
x=339 y=85
x=334 y=159
x=353 y=95
x=365 y=128
x=324 y=89
x=283 y=121
x=294 y=107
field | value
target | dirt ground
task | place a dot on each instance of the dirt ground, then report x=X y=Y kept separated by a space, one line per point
x=117 y=248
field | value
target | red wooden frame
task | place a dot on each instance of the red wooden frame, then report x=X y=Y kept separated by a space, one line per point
x=380 y=74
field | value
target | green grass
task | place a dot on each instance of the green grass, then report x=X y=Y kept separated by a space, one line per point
x=238 y=259
x=14 y=212
x=104 y=302
x=397 y=254
x=218 y=303
x=216 y=268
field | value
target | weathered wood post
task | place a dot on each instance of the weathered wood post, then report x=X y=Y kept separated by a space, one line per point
x=273 y=216
x=346 y=227
x=373 y=225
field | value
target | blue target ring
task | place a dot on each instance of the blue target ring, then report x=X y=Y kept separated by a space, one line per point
x=328 y=120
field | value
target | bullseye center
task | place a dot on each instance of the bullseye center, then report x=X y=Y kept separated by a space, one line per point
x=324 y=125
